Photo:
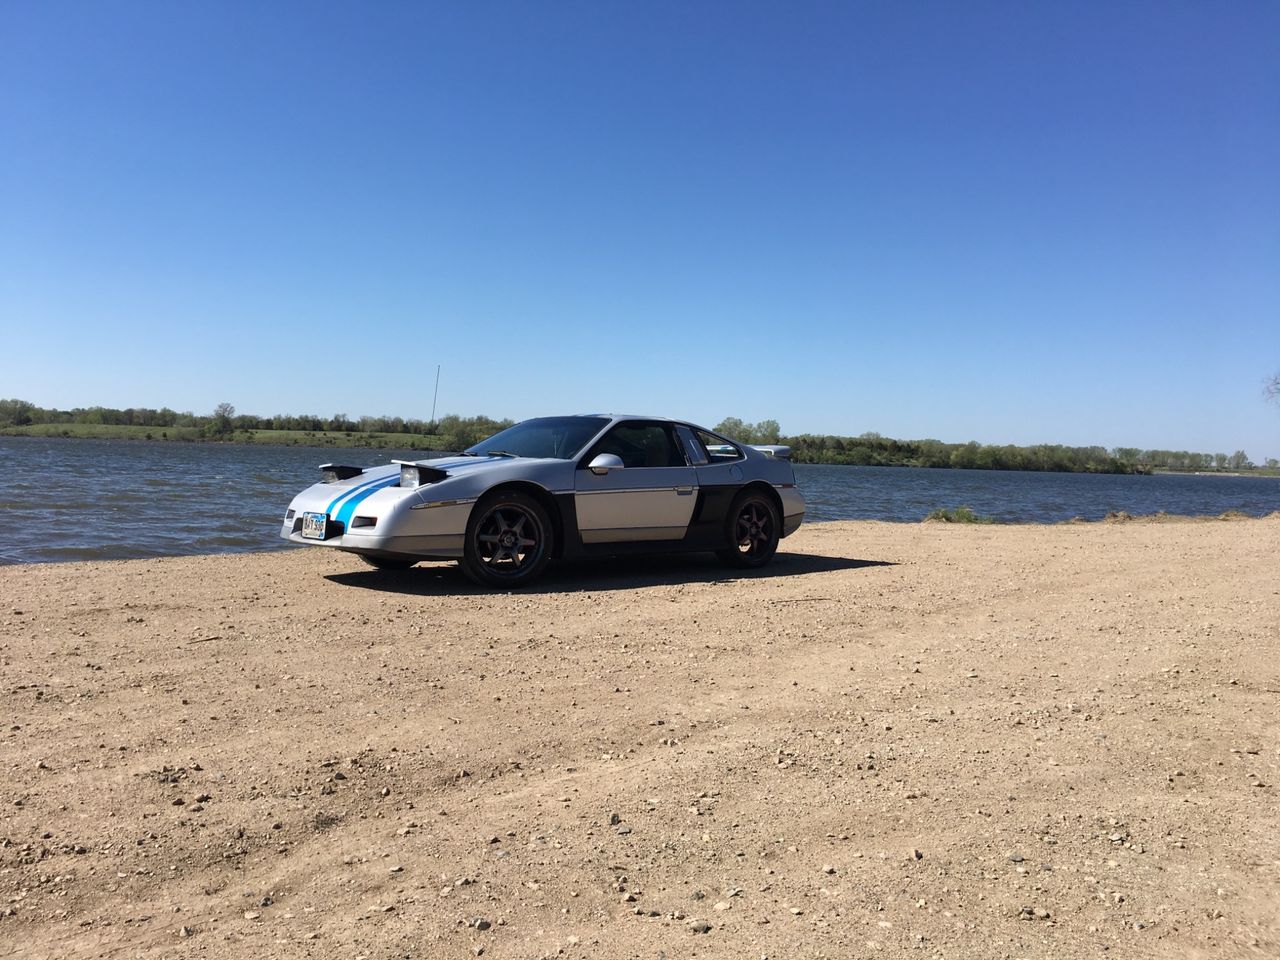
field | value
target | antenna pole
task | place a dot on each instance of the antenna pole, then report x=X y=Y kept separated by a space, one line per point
x=434 y=396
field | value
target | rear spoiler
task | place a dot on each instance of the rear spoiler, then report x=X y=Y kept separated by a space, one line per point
x=774 y=450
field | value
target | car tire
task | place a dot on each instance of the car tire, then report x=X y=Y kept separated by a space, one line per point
x=509 y=540
x=387 y=563
x=753 y=529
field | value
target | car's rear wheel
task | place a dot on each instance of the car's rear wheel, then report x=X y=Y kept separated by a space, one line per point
x=753 y=529
x=508 y=540
x=387 y=563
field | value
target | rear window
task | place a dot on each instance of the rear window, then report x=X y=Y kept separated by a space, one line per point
x=719 y=450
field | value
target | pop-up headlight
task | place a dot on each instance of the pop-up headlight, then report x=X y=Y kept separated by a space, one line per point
x=414 y=475
x=333 y=472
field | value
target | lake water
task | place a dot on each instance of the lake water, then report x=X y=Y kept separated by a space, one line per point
x=99 y=499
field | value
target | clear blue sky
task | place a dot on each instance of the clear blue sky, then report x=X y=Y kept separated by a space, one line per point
x=1010 y=222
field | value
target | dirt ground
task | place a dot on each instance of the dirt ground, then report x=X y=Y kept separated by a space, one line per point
x=897 y=741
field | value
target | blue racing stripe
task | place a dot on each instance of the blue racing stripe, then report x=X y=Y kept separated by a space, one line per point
x=344 y=514
x=350 y=490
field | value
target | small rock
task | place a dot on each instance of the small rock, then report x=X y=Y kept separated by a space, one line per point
x=614 y=819
x=915 y=855
x=624 y=830
x=828 y=869
x=480 y=923
x=722 y=905
x=251 y=914
x=185 y=932
x=700 y=926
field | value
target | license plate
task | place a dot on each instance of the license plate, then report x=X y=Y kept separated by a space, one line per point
x=313 y=525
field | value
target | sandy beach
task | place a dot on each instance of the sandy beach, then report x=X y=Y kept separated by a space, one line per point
x=900 y=740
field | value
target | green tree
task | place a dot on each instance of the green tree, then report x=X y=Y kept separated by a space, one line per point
x=17 y=413
x=768 y=431
x=220 y=423
x=733 y=428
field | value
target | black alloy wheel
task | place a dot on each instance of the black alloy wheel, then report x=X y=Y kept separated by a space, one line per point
x=753 y=529
x=508 y=540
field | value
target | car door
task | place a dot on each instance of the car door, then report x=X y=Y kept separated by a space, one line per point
x=650 y=497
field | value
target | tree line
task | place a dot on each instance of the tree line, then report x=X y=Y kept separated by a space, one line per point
x=453 y=432
x=873 y=450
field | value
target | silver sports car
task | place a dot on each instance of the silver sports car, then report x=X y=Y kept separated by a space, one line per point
x=558 y=487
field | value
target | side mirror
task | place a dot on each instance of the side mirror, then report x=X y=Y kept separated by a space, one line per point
x=605 y=462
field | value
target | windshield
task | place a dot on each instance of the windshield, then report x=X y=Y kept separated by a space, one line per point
x=559 y=438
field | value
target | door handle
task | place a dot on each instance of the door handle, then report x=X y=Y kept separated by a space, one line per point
x=684 y=491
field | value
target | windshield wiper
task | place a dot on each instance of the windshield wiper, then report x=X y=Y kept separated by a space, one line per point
x=490 y=453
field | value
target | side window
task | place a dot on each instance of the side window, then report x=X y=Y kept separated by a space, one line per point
x=640 y=445
x=693 y=448
x=719 y=450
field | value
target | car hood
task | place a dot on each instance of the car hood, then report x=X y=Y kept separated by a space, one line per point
x=472 y=476
x=457 y=465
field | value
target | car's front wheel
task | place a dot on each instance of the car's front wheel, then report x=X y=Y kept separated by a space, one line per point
x=753 y=529
x=508 y=540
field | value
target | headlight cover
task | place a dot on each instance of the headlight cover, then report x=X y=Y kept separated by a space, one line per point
x=415 y=475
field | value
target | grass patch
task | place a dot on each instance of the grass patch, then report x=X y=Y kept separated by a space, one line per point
x=958 y=515
x=102 y=431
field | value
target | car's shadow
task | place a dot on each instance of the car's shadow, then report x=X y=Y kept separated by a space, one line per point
x=615 y=573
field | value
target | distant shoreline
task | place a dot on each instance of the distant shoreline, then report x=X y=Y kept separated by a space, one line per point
x=1265 y=472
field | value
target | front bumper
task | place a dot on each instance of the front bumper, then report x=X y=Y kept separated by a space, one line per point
x=388 y=526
